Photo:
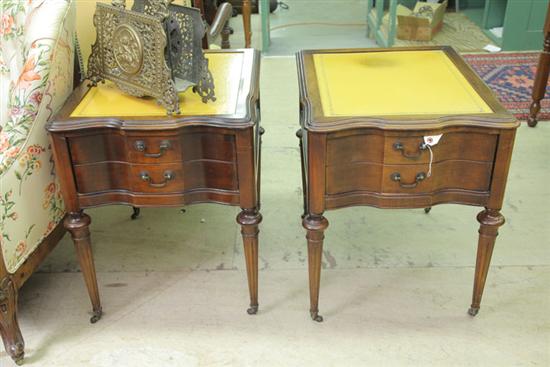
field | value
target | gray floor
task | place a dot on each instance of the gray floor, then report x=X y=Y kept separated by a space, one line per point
x=395 y=288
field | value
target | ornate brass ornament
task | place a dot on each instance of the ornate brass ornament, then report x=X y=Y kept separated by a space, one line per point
x=154 y=49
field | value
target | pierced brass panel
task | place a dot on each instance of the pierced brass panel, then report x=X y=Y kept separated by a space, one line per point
x=152 y=50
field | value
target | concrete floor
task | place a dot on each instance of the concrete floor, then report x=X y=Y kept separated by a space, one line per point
x=394 y=292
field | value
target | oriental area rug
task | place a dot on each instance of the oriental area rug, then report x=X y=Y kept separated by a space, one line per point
x=511 y=77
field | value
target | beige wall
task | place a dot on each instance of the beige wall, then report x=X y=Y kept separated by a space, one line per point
x=85 y=26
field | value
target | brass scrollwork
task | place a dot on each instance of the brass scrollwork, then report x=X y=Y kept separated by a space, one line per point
x=154 y=49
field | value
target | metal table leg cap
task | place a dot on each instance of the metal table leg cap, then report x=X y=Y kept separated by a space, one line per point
x=252 y=310
x=473 y=311
x=316 y=317
x=96 y=317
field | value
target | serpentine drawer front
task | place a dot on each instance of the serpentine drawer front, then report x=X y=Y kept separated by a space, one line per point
x=111 y=148
x=401 y=163
x=399 y=128
x=155 y=163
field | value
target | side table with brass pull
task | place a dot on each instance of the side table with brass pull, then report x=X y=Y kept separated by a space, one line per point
x=111 y=148
x=400 y=128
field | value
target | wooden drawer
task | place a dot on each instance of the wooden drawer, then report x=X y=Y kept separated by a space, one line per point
x=412 y=178
x=100 y=177
x=98 y=148
x=355 y=148
x=406 y=149
x=446 y=175
x=178 y=177
x=451 y=146
x=153 y=148
x=158 y=178
x=361 y=176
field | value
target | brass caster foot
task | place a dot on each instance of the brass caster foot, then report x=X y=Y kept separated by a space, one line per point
x=18 y=353
x=427 y=210
x=96 y=316
x=473 y=311
x=135 y=215
x=252 y=310
x=316 y=317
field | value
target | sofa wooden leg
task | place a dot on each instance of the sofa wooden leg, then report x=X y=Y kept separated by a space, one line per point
x=9 y=326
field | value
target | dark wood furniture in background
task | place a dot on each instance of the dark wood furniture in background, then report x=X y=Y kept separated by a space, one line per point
x=247 y=11
x=541 y=78
x=209 y=8
x=217 y=23
x=111 y=148
x=365 y=117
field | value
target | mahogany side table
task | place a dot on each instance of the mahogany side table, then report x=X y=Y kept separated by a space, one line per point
x=111 y=148
x=400 y=128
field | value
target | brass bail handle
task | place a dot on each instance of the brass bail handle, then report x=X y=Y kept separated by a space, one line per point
x=399 y=146
x=142 y=147
x=396 y=176
x=168 y=176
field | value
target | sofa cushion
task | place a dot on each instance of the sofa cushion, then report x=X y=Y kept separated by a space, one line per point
x=36 y=69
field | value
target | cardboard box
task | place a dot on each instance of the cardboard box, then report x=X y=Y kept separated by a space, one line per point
x=422 y=23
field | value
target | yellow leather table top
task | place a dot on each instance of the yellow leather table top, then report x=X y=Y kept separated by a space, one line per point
x=394 y=83
x=227 y=71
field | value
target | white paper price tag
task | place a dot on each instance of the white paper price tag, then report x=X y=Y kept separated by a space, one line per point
x=432 y=140
x=429 y=142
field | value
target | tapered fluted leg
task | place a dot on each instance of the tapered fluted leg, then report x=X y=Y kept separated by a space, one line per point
x=315 y=226
x=78 y=226
x=9 y=326
x=249 y=220
x=490 y=220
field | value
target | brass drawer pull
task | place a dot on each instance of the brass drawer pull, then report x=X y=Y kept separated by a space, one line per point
x=163 y=147
x=399 y=146
x=396 y=176
x=168 y=175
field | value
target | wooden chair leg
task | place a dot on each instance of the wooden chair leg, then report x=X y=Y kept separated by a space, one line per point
x=541 y=80
x=9 y=326
x=246 y=11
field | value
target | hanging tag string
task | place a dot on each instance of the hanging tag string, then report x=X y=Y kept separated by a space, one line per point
x=429 y=142
x=431 y=160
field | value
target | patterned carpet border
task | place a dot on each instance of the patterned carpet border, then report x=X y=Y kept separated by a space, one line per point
x=511 y=77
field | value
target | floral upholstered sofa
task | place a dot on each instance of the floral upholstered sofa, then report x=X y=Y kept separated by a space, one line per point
x=36 y=77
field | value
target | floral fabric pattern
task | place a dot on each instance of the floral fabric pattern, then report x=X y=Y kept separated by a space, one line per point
x=36 y=69
x=29 y=162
